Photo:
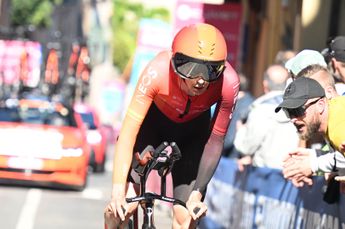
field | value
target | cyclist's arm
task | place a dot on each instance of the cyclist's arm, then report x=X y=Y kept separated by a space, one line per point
x=213 y=148
x=144 y=94
x=209 y=161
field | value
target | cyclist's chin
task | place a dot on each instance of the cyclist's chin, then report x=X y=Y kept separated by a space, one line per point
x=197 y=91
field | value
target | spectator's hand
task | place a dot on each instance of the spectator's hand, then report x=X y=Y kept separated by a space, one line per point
x=296 y=167
x=194 y=203
x=118 y=202
x=300 y=181
x=243 y=161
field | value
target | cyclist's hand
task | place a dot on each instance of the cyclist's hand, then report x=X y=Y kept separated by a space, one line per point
x=118 y=201
x=195 y=207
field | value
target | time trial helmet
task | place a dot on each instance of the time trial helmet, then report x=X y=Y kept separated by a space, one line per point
x=199 y=50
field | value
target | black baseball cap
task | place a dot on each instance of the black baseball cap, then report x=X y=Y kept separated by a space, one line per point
x=337 y=48
x=299 y=92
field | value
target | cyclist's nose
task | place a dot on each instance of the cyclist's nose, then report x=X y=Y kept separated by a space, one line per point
x=201 y=81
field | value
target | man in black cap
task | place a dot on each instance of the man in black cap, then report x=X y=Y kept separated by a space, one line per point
x=336 y=59
x=304 y=102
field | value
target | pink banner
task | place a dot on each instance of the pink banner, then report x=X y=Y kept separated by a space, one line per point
x=20 y=61
x=226 y=17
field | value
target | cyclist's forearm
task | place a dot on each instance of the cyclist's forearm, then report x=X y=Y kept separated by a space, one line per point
x=209 y=161
x=122 y=159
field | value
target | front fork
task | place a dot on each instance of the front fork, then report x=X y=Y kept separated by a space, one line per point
x=148 y=208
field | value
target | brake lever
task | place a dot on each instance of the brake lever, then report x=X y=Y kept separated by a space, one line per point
x=143 y=159
x=176 y=152
x=159 y=149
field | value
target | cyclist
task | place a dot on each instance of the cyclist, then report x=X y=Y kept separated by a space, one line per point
x=172 y=102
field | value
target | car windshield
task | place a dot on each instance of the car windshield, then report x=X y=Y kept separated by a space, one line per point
x=39 y=115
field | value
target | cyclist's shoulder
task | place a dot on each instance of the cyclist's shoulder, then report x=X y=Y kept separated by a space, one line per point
x=160 y=64
x=230 y=82
x=162 y=59
x=230 y=75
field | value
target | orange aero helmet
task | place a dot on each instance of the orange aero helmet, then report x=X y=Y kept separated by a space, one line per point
x=201 y=41
x=199 y=50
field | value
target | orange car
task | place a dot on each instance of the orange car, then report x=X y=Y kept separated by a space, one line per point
x=96 y=135
x=41 y=144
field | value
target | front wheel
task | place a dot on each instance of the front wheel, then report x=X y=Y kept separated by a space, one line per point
x=100 y=168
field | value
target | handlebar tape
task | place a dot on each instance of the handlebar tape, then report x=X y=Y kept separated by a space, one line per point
x=148 y=148
x=141 y=165
x=159 y=149
x=176 y=151
x=196 y=210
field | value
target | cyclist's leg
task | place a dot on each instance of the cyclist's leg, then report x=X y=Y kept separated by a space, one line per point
x=112 y=222
x=182 y=218
x=185 y=171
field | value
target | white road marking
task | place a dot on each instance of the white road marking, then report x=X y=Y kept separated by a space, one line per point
x=109 y=165
x=28 y=214
x=92 y=193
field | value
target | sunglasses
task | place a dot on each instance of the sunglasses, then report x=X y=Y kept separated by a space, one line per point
x=299 y=111
x=190 y=68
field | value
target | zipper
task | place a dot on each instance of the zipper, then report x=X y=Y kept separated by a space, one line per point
x=186 y=109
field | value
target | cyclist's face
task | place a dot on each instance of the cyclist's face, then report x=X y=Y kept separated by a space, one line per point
x=195 y=86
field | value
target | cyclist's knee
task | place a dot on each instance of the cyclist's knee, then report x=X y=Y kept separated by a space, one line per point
x=112 y=222
x=182 y=219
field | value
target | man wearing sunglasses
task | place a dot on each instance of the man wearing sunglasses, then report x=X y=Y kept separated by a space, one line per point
x=172 y=102
x=336 y=59
x=305 y=103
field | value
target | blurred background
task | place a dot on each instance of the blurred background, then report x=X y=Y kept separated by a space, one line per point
x=88 y=54
x=105 y=43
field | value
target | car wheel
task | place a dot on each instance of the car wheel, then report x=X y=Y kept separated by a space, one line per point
x=100 y=168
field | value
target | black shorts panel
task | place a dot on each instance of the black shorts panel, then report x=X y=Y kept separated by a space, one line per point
x=190 y=137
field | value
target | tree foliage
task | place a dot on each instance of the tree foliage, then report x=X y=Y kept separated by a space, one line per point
x=125 y=24
x=32 y=12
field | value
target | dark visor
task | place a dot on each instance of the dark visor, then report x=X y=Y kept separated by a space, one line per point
x=191 y=68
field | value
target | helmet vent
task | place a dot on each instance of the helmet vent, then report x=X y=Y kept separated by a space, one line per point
x=202 y=47
x=212 y=49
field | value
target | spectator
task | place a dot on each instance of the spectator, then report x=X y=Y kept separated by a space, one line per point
x=305 y=162
x=336 y=60
x=244 y=100
x=283 y=56
x=267 y=137
x=295 y=65
x=304 y=59
x=305 y=103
